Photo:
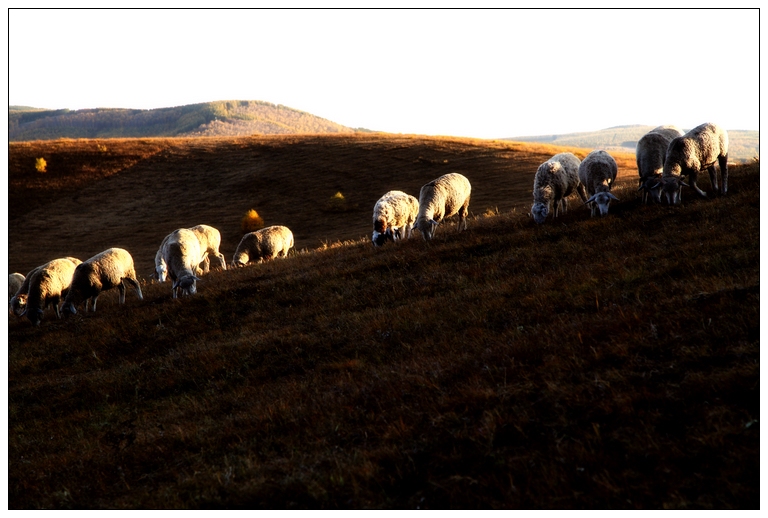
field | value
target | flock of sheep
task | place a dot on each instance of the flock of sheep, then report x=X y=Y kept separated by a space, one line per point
x=664 y=156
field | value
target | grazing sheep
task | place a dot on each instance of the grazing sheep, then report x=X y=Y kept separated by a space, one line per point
x=442 y=198
x=690 y=154
x=18 y=305
x=263 y=245
x=210 y=241
x=650 y=153
x=15 y=280
x=598 y=172
x=49 y=283
x=161 y=268
x=111 y=268
x=182 y=254
x=393 y=216
x=555 y=180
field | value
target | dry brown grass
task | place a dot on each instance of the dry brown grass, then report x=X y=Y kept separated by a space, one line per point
x=584 y=363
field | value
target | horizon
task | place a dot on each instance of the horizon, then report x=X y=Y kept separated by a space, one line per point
x=442 y=72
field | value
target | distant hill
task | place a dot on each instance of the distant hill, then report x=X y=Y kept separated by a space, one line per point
x=221 y=118
x=744 y=145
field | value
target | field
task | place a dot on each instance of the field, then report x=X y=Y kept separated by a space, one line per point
x=584 y=363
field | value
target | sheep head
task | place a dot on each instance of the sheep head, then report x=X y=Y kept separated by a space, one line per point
x=600 y=202
x=539 y=212
x=670 y=189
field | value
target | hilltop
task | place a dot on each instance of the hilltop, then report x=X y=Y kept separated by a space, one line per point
x=221 y=118
x=584 y=363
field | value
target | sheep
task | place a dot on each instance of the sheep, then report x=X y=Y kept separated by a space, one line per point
x=15 y=280
x=699 y=149
x=393 y=216
x=442 y=198
x=650 y=154
x=182 y=254
x=49 y=283
x=210 y=241
x=555 y=180
x=598 y=172
x=104 y=271
x=161 y=268
x=18 y=304
x=263 y=245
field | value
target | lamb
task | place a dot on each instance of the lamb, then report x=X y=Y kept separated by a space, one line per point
x=49 y=283
x=263 y=245
x=650 y=153
x=210 y=241
x=442 y=198
x=182 y=253
x=15 y=280
x=111 y=268
x=555 y=180
x=18 y=305
x=393 y=216
x=598 y=172
x=699 y=149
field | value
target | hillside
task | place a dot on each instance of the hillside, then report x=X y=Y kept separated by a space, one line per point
x=581 y=364
x=744 y=145
x=221 y=118
x=132 y=193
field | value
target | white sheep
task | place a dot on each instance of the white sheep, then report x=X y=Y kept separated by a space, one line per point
x=598 y=172
x=49 y=283
x=442 y=198
x=182 y=254
x=650 y=154
x=18 y=304
x=210 y=241
x=111 y=268
x=555 y=180
x=161 y=268
x=697 y=150
x=15 y=280
x=393 y=217
x=263 y=245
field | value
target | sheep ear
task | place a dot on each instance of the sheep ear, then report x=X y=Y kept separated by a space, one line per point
x=641 y=187
x=196 y=277
x=684 y=184
x=591 y=199
x=175 y=284
x=656 y=185
x=435 y=223
x=612 y=196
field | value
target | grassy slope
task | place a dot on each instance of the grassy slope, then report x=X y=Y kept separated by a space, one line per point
x=585 y=363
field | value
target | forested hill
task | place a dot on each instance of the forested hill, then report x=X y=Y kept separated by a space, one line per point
x=221 y=118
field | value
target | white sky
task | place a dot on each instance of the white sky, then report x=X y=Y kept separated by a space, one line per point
x=475 y=73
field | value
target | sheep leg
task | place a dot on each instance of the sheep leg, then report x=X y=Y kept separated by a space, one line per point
x=93 y=304
x=136 y=287
x=693 y=178
x=121 y=289
x=723 y=160
x=713 y=178
x=56 y=307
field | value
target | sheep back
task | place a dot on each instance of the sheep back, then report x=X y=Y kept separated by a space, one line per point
x=263 y=245
x=440 y=199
